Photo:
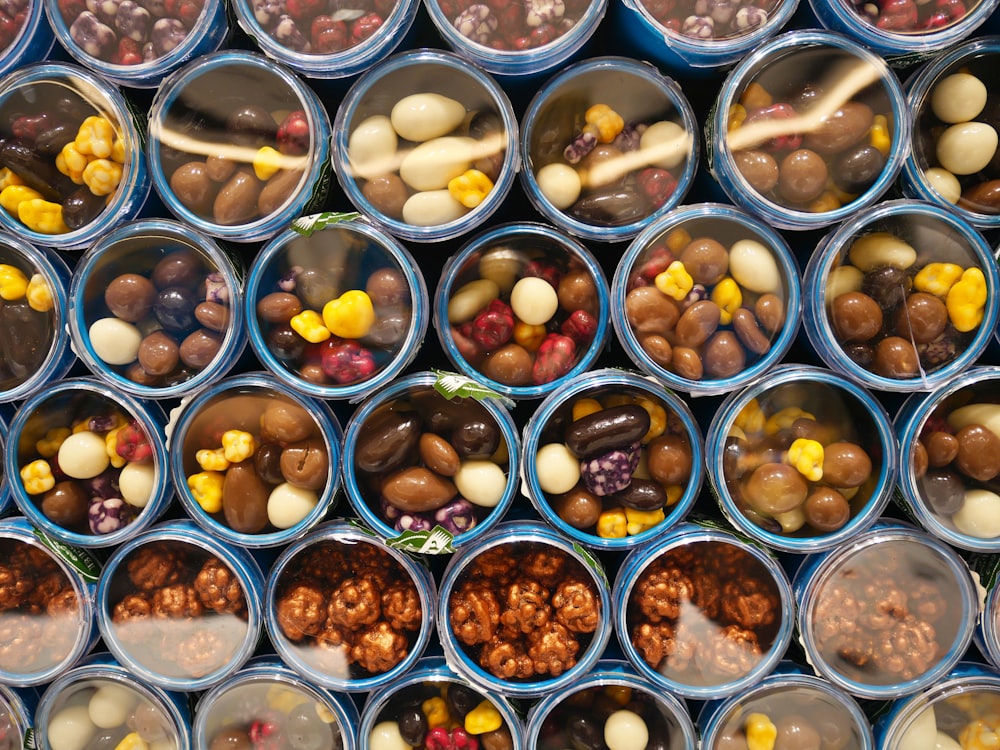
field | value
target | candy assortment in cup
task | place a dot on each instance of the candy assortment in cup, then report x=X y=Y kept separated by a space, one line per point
x=706 y=299
x=803 y=460
x=237 y=145
x=608 y=145
x=25 y=35
x=338 y=313
x=87 y=464
x=17 y=711
x=901 y=297
x=426 y=145
x=154 y=309
x=523 y=307
x=346 y=611
x=612 y=460
x=255 y=463
x=415 y=460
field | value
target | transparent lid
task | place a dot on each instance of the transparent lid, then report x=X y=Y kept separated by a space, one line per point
x=959 y=711
x=522 y=308
x=338 y=312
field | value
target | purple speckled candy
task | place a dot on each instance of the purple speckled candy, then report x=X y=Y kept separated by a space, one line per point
x=133 y=21
x=610 y=472
x=167 y=34
x=108 y=515
x=104 y=485
x=93 y=37
x=413 y=522
x=457 y=516
x=389 y=511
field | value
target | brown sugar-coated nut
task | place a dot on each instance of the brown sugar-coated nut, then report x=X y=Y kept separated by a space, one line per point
x=302 y=611
x=218 y=589
x=155 y=565
x=354 y=603
x=379 y=648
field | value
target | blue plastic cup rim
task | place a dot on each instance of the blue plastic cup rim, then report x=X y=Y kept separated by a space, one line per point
x=608 y=672
x=489 y=238
x=344 y=121
x=106 y=672
x=436 y=670
x=579 y=388
x=206 y=35
x=149 y=416
x=19 y=706
x=56 y=273
x=885 y=484
x=400 y=388
x=344 y=532
x=723 y=166
x=34 y=40
x=987 y=635
x=264 y=227
x=918 y=88
x=134 y=187
x=790 y=276
x=647 y=74
x=909 y=423
x=528 y=62
x=20 y=530
x=408 y=348
x=342 y=64
x=523 y=532
x=233 y=341
x=270 y=669
x=5 y=499
x=184 y=415
x=816 y=322
x=238 y=560
x=817 y=569
x=636 y=562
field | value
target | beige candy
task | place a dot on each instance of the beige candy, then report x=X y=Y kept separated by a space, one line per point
x=753 y=267
x=880 y=249
x=987 y=415
x=420 y=117
x=431 y=165
x=432 y=208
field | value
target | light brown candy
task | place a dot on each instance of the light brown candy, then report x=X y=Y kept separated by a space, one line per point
x=438 y=455
x=244 y=499
x=417 y=490
x=236 y=202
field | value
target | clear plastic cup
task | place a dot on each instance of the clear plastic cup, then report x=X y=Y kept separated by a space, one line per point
x=180 y=609
x=464 y=452
x=490 y=610
x=847 y=131
x=255 y=463
x=238 y=146
x=346 y=611
x=987 y=632
x=527 y=41
x=336 y=314
x=17 y=711
x=901 y=297
x=613 y=460
x=612 y=702
x=103 y=180
x=633 y=160
x=27 y=36
x=799 y=707
x=140 y=45
x=956 y=709
x=87 y=464
x=501 y=324
x=155 y=309
x=739 y=272
x=432 y=704
x=267 y=691
x=425 y=145
x=945 y=455
x=48 y=619
x=802 y=461
x=325 y=41
x=34 y=346
x=887 y=615
x=952 y=118
x=101 y=702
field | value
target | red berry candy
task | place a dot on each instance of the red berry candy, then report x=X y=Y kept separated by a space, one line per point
x=494 y=326
x=897 y=15
x=554 y=358
x=346 y=362
x=293 y=134
x=544 y=269
x=303 y=10
x=779 y=111
x=129 y=52
x=132 y=444
x=365 y=26
x=657 y=185
x=579 y=326
x=328 y=36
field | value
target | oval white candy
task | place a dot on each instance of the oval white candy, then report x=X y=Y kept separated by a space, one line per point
x=987 y=415
x=371 y=149
x=959 y=97
x=880 y=249
x=288 y=505
x=110 y=706
x=560 y=184
x=420 y=117
x=83 y=455
x=481 y=482
x=753 y=267
x=70 y=729
x=665 y=144
x=625 y=730
x=470 y=298
x=966 y=148
x=432 y=208
x=115 y=341
x=136 y=483
x=385 y=736
x=944 y=183
x=841 y=280
x=431 y=165
x=534 y=301
x=557 y=468
x=979 y=515
x=921 y=733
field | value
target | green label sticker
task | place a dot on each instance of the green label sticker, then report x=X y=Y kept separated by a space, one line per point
x=591 y=562
x=358 y=525
x=437 y=541
x=453 y=385
x=987 y=566
x=88 y=568
x=306 y=225
x=29 y=739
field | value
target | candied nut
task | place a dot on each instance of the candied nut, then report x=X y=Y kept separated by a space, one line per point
x=544 y=566
x=576 y=606
x=379 y=648
x=662 y=592
x=302 y=611
x=496 y=564
x=749 y=603
x=63 y=604
x=732 y=652
x=178 y=600
x=401 y=606
x=154 y=565
x=14 y=587
x=132 y=608
x=655 y=642
x=202 y=652
x=909 y=649
x=552 y=649
x=474 y=615
x=354 y=604
x=507 y=660
x=218 y=589
x=332 y=648
x=526 y=607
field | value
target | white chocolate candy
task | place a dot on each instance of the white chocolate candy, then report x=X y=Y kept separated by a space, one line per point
x=431 y=165
x=70 y=729
x=466 y=303
x=557 y=468
x=83 y=455
x=534 y=301
x=560 y=184
x=385 y=736
x=921 y=733
x=110 y=706
x=288 y=505
x=841 y=280
x=880 y=249
x=136 y=483
x=371 y=148
x=966 y=148
x=944 y=183
x=959 y=97
x=420 y=117
x=987 y=415
x=432 y=208
x=753 y=267
x=502 y=265
x=666 y=143
x=979 y=515
x=625 y=730
x=481 y=482
x=115 y=341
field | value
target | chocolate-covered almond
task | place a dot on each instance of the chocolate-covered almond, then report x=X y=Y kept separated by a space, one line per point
x=607 y=429
x=306 y=464
x=416 y=490
x=244 y=499
x=387 y=441
x=642 y=494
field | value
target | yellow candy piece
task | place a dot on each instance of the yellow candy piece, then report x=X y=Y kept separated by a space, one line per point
x=619 y=694
x=675 y=282
x=677 y=240
x=13 y=196
x=37 y=477
x=483 y=718
x=879 y=135
x=111 y=448
x=785 y=418
x=309 y=325
x=674 y=493
x=728 y=296
x=8 y=178
x=118 y=151
x=436 y=711
x=755 y=96
x=470 y=188
x=638 y=521
x=966 y=300
x=584 y=407
x=657 y=419
x=937 y=278
x=751 y=418
x=979 y=734
x=95 y=137
x=102 y=176
x=39 y=294
x=71 y=162
x=206 y=489
x=350 y=316
x=48 y=446
x=760 y=732
x=266 y=163
x=13 y=283
x=285 y=700
x=212 y=460
x=807 y=458
x=237 y=445
x=612 y=524
x=827 y=201
x=132 y=741
x=42 y=216
x=604 y=122
x=737 y=116
x=529 y=336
